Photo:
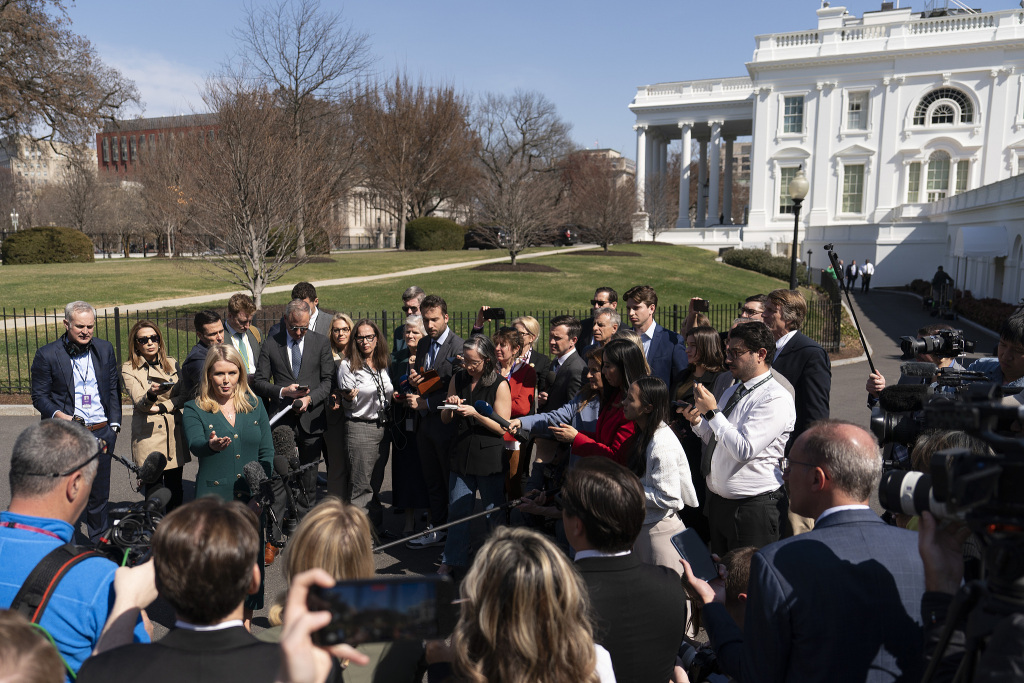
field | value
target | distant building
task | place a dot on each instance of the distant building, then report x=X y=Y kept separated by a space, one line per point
x=909 y=127
x=119 y=144
x=34 y=163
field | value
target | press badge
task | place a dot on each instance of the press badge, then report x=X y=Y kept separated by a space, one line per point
x=87 y=400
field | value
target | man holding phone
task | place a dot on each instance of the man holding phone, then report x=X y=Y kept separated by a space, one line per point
x=847 y=591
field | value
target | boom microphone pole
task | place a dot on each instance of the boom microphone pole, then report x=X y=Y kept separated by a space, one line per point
x=837 y=270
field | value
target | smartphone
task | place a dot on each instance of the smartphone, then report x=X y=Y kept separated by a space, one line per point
x=494 y=314
x=682 y=404
x=303 y=387
x=692 y=549
x=385 y=609
x=165 y=385
x=701 y=306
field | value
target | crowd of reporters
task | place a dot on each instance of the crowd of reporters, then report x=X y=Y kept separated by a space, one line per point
x=593 y=460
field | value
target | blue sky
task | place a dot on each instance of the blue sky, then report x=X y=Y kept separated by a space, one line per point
x=587 y=57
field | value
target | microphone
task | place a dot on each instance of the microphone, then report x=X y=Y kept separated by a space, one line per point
x=297 y=405
x=918 y=369
x=153 y=468
x=256 y=478
x=284 y=450
x=157 y=500
x=903 y=398
x=485 y=409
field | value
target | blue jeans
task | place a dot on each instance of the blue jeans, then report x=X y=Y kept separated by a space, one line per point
x=462 y=490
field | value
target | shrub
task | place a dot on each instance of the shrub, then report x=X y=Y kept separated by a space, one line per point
x=988 y=312
x=434 y=234
x=47 y=245
x=760 y=261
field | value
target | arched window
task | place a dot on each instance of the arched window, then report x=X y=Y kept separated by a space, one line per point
x=944 y=106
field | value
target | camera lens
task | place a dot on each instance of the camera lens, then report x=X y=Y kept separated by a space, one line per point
x=909 y=493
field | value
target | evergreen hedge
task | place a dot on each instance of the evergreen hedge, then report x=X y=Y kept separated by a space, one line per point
x=434 y=234
x=47 y=244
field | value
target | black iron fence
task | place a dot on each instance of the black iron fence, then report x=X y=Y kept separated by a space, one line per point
x=26 y=330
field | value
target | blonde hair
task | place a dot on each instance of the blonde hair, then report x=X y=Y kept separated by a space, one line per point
x=525 y=615
x=531 y=324
x=243 y=399
x=351 y=330
x=335 y=537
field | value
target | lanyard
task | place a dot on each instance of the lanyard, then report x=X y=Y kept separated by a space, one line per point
x=25 y=527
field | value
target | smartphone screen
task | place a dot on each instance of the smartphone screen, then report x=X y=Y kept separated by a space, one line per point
x=385 y=609
x=692 y=549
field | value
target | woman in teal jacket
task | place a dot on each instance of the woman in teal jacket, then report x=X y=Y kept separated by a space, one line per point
x=226 y=427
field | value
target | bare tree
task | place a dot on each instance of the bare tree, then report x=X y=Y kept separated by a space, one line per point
x=52 y=83
x=521 y=139
x=661 y=201
x=165 y=206
x=306 y=56
x=79 y=190
x=240 y=186
x=600 y=200
x=418 y=147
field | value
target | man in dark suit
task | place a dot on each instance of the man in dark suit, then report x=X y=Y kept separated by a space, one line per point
x=639 y=609
x=240 y=331
x=294 y=365
x=567 y=370
x=210 y=330
x=77 y=378
x=319 y=321
x=664 y=350
x=847 y=592
x=604 y=297
x=205 y=556
x=434 y=437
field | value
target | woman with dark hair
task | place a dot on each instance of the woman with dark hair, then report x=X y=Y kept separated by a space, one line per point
x=151 y=380
x=657 y=458
x=707 y=363
x=522 y=381
x=478 y=445
x=366 y=397
x=334 y=436
x=613 y=436
x=408 y=489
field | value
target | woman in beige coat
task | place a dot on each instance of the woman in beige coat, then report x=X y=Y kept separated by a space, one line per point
x=151 y=379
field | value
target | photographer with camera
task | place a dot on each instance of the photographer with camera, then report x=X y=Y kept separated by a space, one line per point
x=53 y=465
x=1007 y=368
x=366 y=394
x=939 y=344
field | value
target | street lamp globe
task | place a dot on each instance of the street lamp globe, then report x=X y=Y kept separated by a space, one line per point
x=798 y=187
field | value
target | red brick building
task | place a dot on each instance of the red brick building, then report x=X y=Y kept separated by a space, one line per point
x=119 y=144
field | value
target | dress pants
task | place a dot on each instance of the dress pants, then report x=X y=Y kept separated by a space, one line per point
x=434 y=440
x=368 y=446
x=96 y=509
x=754 y=521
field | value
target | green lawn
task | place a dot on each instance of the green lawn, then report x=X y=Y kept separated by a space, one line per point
x=109 y=282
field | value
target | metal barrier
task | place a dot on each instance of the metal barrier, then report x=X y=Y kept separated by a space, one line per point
x=25 y=330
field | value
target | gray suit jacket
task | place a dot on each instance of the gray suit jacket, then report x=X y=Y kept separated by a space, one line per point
x=274 y=371
x=566 y=382
x=839 y=603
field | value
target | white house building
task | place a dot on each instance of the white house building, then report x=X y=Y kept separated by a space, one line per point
x=909 y=127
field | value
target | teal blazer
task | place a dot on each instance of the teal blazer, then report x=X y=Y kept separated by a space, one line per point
x=220 y=473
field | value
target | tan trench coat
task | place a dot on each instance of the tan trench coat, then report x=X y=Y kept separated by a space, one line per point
x=151 y=429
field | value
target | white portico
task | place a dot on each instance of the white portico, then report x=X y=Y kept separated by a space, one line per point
x=887 y=113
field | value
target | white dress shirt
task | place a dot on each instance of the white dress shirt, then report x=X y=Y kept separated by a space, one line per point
x=782 y=341
x=647 y=336
x=666 y=481
x=249 y=357
x=747 y=460
x=369 y=385
x=560 y=361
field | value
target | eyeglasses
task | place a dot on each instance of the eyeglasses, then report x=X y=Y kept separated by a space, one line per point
x=409 y=310
x=749 y=312
x=598 y=302
x=788 y=462
x=145 y=340
x=733 y=353
x=101 y=449
x=367 y=339
x=299 y=328
x=339 y=330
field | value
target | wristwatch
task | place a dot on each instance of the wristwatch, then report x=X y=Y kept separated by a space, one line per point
x=710 y=415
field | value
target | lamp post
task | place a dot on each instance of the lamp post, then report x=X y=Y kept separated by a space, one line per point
x=14 y=219
x=808 y=267
x=798 y=187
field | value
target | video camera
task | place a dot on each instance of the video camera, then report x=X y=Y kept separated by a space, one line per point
x=944 y=344
x=128 y=540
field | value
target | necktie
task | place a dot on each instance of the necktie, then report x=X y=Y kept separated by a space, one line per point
x=434 y=346
x=296 y=360
x=240 y=336
x=555 y=365
x=705 y=461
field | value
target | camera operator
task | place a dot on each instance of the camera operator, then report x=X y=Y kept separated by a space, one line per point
x=1007 y=368
x=876 y=381
x=53 y=465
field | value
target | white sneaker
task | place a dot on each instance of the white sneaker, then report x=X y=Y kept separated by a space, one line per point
x=428 y=540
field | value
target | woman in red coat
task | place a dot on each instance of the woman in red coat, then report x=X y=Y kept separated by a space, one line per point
x=522 y=381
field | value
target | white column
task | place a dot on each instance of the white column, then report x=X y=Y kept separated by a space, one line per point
x=730 y=162
x=663 y=155
x=714 y=171
x=684 y=176
x=702 y=179
x=641 y=165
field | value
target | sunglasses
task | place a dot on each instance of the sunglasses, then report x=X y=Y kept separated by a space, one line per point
x=595 y=302
x=145 y=340
x=410 y=309
x=299 y=328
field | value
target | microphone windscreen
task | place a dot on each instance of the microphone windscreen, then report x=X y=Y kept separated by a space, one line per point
x=903 y=398
x=153 y=468
x=297 y=404
x=254 y=476
x=159 y=499
x=918 y=369
x=284 y=448
x=484 y=408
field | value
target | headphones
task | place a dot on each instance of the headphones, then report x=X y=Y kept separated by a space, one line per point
x=74 y=348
